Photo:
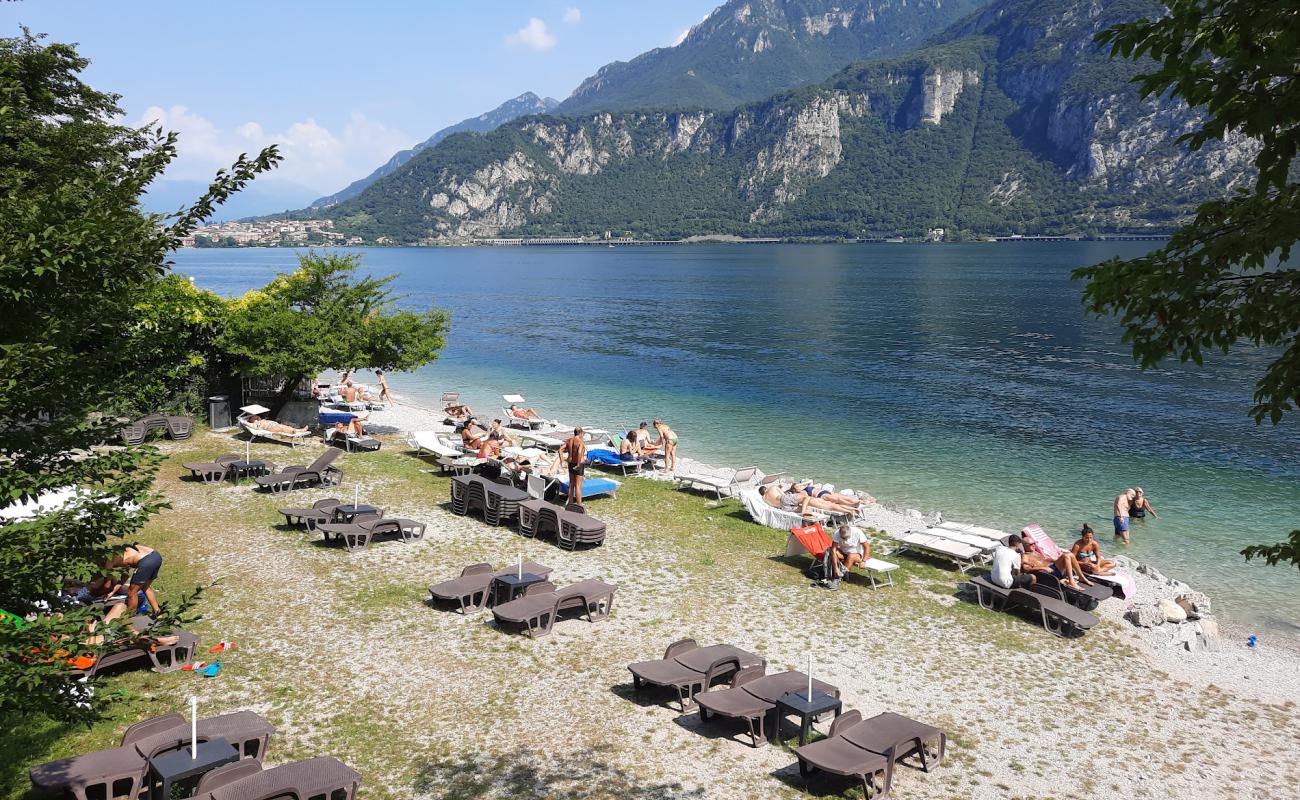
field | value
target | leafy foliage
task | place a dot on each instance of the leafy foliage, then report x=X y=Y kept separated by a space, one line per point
x=1223 y=280
x=90 y=326
x=321 y=317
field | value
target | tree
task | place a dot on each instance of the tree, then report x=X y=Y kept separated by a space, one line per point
x=1223 y=278
x=90 y=326
x=322 y=316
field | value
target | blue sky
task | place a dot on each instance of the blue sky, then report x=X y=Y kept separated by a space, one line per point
x=341 y=85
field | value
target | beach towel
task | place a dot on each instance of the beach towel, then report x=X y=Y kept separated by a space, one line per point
x=591 y=486
x=328 y=418
x=608 y=458
x=1039 y=537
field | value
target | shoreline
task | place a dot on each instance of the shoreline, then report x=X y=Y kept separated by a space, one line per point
x=893 y=520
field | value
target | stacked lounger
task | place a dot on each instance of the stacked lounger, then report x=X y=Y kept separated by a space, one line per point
x=570 y=528
x=497 y=502
x=965 y=545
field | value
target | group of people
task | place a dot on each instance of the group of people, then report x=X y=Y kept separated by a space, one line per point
x=638 y=444
x=1017 y=563
x=803 y=497
x=1130 y=504
x=123 y=596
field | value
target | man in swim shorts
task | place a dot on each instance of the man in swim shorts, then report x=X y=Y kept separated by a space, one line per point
x=574 y=452
x=1123 y=504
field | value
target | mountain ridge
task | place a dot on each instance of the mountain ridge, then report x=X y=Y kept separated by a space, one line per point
x=512 y=109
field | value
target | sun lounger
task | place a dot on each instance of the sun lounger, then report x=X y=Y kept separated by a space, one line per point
x=313 y=779
x=766 y=515
x=214 y=471
x=964 y=556
x=753 y=696
x=591 y=487
x=433 y=443
x=966 y=534
x=1058 y=616
x=690 y=669
x=569 y=527
x=320 y=511
x=121 y=771
x=357 y=534
x=320 y=472
x=471 y=590
x=610 y=459
x=161 y=657
x=868 y=749
x=537 y=609
x=254 y=432
x=814 y=540
x=350 y=441
x=720 y=486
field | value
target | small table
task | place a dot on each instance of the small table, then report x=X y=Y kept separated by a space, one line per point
x=176 y=765
x=507 y=587
x=797 y=704
x=346 y=513
x=244 y=469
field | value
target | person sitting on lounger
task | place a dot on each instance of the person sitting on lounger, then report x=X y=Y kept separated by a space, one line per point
x=627 y=449
x=498 y=432
x=850 y=548
x=524 y=413
x=490 y=448
x=472 y=434
x=271 y=426
x=641 y=439
x=1006 y=565
x=352 y=427
x=1088 y=553
x=1032 y=559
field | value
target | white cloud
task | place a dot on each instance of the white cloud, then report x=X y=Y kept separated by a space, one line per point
x=314 y=156
x=572 y=16
x=535 y=36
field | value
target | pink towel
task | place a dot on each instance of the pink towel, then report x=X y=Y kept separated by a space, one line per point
x=1037 y=536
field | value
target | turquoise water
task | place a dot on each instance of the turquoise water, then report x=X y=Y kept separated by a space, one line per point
x=964 y=378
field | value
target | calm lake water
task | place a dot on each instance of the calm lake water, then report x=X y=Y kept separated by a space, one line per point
x=964 y=378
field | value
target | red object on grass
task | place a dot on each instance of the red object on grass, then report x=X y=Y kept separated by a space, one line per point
x=814 y=538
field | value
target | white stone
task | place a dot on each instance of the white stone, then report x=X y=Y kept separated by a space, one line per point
x=1172 y=611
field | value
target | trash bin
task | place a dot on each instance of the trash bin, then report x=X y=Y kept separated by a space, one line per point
x=219 y=412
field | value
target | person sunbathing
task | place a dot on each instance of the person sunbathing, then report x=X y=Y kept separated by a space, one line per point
x=826 y=491
x=271 y=426
x=1088 y=553
x=524 y=413
x=458 y=412
x=784 y=501
x=498 y=432
x=472 y=434
x=825 y=503
x=490 y=448
x=352 y=427
x=1066 y=567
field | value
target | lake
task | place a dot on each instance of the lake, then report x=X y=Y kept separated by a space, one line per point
x=964 y=378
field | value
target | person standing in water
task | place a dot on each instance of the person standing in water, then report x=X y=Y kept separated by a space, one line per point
x=1123 y=510
x=1142 y=506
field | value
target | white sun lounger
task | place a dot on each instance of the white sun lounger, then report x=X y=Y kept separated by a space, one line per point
x=985 y=544
x=521 y=422
x=763 y=514
x=257 y=433
x=963 y=555
x=716 y=483
x=433 y=443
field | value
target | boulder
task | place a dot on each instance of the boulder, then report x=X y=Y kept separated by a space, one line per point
x=1207 y=633
x=1172 y=611
x=1196 y=604
x=1145 y=616
x=934 y=518
x=912 y=513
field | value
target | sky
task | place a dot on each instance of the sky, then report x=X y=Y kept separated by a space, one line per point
x=340 y=86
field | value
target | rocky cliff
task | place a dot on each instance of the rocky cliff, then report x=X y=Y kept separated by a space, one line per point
x=1010 y=122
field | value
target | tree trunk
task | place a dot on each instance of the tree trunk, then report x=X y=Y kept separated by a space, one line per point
x=286 y=394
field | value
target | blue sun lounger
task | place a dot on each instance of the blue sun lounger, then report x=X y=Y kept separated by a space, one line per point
x=608 y=458
x=591 y=486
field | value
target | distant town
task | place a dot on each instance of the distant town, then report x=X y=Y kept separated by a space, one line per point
x=269 y=233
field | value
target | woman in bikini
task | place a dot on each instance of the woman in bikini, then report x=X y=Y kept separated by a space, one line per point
x=668 y=438
x=1088 y=553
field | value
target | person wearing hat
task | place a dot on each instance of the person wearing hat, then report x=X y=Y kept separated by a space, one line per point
x=668 y=439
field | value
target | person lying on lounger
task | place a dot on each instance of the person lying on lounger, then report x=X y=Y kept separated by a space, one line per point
x=1066 y=567
x=524 y=413
x=825 y=503
x=352 y=427
x=825 y=491
x=1088 y=553
x=271 y=426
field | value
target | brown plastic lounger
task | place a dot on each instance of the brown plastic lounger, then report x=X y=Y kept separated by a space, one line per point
x=121 y=771
x=161 y=657
x=214 y=471
x=689 y=669
x=537 y=609
x=1058 y=616
x=321 y=777
x=837 y=756
x=470 y=591
x=753 y=696
x=179 y=427
x=356 y=535
x=320 y=472
x=320 y=511
x=903 y=736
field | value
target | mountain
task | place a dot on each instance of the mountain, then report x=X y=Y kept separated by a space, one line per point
x=750 y=49
x=521 y=106
x=1012 y=121
x=266 y=195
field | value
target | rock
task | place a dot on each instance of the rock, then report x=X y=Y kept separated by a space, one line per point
x=1145 y=616
x=912 y=513
x=1208 y=633
x=1197 y=604
x=934 y=518
x=1172 y=611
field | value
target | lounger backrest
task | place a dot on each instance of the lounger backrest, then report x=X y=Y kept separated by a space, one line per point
x=845 y=721
x=545 y=587
x=678 y=647
x=450 y=397
x=150 y=727
x=813 y=537
x=576 y=508
x=536 y=487
x=744 y=476
x=744 y=676
x=228 y=773
x=226 y=459
x=329 y=502
x=323 y=460
x=476 y=569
